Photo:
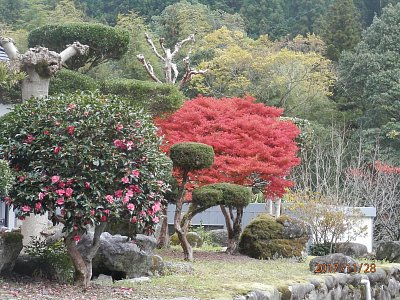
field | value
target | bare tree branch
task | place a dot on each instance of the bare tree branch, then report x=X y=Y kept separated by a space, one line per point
x=9 y=47
x=179 y=45
x=175 y=69
x=148 y=67
x=162 y=40
x=72 y=50
x=189 y=72
x=153 y=47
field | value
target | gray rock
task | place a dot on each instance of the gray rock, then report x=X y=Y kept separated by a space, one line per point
x=219 y=237
x=157 y=265
x=180 y=268
x=389 y=251
x=120 y=257
x=351 y=249
x=336 y=258
x=10 y=247
x=194 y=239
x=273 y=294
x=138 y=280
x=103 y=279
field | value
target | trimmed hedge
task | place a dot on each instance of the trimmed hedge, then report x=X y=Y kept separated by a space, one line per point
x=191 y=156
x=104 y=42
x=222 y=193
x=266 y=237
x=67 y=81
x=157 y=98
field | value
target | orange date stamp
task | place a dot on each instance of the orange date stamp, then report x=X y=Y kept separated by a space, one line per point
x=345 y=268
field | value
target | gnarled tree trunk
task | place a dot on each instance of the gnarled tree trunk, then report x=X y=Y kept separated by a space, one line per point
x=83 y=263
x=234 y=227
x=163 y=238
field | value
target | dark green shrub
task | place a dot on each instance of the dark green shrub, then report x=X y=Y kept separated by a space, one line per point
x=264 y=238
x=105 y=42
x=321 y=249
x=12 y=237
x=55 y=262
x=67 y=81
x=191 y=156
x=222 y=193
x=155 y=97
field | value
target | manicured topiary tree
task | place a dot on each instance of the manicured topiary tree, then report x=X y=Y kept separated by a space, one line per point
x=156 y=98
x=229 y=197
x=105 y=42
x=85 y=159
x=67 y=81
x=186 y=158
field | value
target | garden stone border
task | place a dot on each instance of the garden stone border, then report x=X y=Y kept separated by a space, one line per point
x=385 y=285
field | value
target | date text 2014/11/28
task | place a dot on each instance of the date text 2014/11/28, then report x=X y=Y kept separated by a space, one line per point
x=345 y=268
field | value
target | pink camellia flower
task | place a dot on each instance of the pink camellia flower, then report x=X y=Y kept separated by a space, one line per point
x=125 y=200
x=61 y=185
x=87 y=185
x=21 y=218
x=57 y=150
x=56 y=123
x=110 y=199
x=156 y=219
x=138 y=123
x=60 y=192
x=118 y=193
x=125 y=179
x=134 y=188
x=46 y=132
x=68 y=192
x=8 y=200
x=129 y=194
x=85 y=113
x=103 y=218
x=69 y=182
x=150 y=212
x=129 y=145
x=92 y=212
x=107 y=212
x=130 y=206
x=136 y=173
x=142 y=213
x=77 y=238
x=119 y=127
x=38 y=206
x=55 y=179
x=60 y=201
x=134 y=219
x=71 y=106
x=156 y=206
x=120 y=144
x=41 y=196
x=21 y=178
x=71 y=130
x=29 y=139
x=26 y=208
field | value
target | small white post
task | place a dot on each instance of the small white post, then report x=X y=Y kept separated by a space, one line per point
x=277 y=209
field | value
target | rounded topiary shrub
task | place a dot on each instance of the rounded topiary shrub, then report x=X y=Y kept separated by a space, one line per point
x=105 y=42
x=222 y=193
x=67 y=81
x=191 y=156
x=266 y=237
x=156 y=98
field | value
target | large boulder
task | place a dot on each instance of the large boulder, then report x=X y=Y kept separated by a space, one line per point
x=351 y=249
x=10 y=247
x=219 y=237
x=327 y=263
x=120 y=257
x=389 y=251
x=266 y=237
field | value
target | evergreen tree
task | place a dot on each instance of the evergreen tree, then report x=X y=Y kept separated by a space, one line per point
x=341 y=28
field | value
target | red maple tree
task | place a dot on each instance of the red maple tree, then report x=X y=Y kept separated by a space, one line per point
x=247 y=138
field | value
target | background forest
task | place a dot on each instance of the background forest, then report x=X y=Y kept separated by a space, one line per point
x=332 y=65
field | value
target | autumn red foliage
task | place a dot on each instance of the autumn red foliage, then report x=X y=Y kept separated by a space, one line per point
x=247 y=138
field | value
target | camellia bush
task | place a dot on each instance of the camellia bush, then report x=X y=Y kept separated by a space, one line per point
x=87 y=160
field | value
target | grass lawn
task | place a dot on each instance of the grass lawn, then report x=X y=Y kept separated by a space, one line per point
x=217 y=275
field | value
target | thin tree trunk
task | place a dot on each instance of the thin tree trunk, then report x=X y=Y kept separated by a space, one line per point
x=34 y=85
x=163 y=238
x=233 y=225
